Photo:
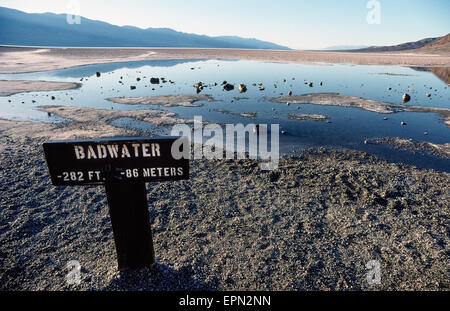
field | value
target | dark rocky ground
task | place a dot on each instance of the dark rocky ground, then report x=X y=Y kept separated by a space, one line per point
x=313 y=224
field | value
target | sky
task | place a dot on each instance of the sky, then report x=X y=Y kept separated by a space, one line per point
x=298 y=24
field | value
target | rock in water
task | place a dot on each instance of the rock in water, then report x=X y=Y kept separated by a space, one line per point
x=259 y=130
x=242 y=88
x=154 y=80
x=403 y=123
x=98 y=74
x=132 y=87
x=290 y=93
x=406 y=98
x=198 y=86
x=228 y=87
x=310 y=84
x=428 y=94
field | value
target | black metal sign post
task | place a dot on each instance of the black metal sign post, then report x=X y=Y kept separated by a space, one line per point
x=123 y=166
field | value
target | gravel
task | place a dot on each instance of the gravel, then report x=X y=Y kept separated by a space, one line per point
x=312 y=224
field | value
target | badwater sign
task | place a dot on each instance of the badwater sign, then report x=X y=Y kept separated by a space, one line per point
x=123 y=166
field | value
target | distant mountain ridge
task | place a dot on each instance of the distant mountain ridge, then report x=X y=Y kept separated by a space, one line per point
x=439 y=46
x=404 y=46
x=49 y=29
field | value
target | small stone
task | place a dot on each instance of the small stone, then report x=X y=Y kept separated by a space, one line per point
x=228 y=87
x=428 y=95
x=242 y=88
x=283 y=132
x=406 y=98
x=310 y=84
x=256 y=129
x=98 y=74
x=132 y=87
x=403 y=123
x=290 y=93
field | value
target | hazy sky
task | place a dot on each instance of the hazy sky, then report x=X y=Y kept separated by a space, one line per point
x=298 y=24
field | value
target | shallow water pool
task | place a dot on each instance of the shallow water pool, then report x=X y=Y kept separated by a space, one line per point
x=347 y=127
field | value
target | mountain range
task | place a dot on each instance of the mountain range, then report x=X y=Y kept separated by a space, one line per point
x=49 y=29
x=438 y=43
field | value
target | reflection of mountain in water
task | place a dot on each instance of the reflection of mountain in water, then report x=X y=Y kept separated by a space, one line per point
x=442 y=73
x=89 y=70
